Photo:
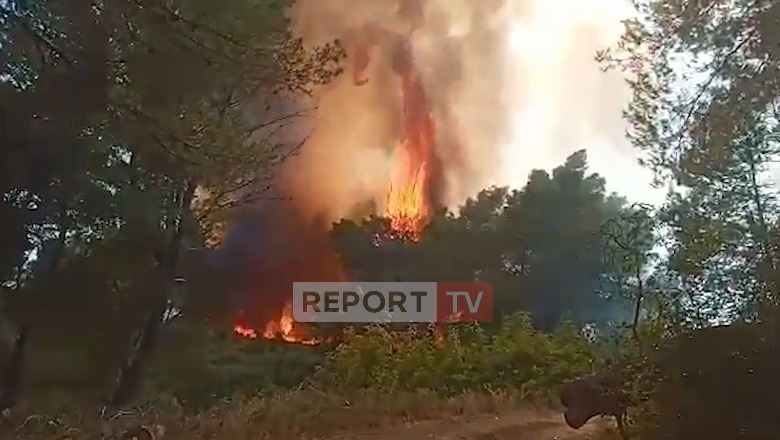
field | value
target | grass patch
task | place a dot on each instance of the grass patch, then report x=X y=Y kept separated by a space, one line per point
x=307 y=413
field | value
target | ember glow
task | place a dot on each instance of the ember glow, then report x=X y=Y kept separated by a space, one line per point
x=245 y=332
x=243 y=329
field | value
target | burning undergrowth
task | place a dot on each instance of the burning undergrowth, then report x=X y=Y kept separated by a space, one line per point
x=290 y=248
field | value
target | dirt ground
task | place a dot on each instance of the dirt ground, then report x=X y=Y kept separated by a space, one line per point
x=514 y=425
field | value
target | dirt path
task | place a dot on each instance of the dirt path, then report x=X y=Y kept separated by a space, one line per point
x=515 y=425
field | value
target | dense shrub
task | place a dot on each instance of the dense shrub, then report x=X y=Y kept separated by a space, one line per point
x=378 y=376
x=200 y=368
x=202 y=371
x=719 y=383
x=714 y=383
x=468 y=359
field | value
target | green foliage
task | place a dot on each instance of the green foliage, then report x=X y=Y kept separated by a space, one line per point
x=115 y=116
x=689 y=123
x=199 y=367
x=705 y=85
x=517 y=357
x=194 y=365
x=710 y=383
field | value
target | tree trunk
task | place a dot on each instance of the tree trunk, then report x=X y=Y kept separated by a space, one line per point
x=11 y=390
x=14 y=369
x=769 y=299
x=640 y=295
x=130 y=377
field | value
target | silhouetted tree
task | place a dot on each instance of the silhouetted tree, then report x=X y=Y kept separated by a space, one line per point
x=541 y=247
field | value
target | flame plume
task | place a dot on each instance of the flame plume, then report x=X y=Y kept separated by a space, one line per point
x=408 y=202
x=409 y=199
x=407 y=206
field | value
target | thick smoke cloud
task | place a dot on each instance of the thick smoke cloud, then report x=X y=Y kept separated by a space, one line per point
x=512 y=85
x=457 y=47
x=562 y=101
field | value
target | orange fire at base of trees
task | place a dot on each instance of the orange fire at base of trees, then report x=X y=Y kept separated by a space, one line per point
x=242 y=329
x=284 y=328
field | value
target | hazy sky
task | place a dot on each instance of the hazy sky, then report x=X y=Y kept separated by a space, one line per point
x=565 y=103
x=512 y=86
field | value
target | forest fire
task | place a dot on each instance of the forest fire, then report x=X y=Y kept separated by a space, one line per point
x=408 y=202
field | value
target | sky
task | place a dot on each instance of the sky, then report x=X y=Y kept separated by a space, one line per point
x=565 y=102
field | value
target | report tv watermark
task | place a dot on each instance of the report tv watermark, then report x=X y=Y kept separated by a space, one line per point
x=392 y=302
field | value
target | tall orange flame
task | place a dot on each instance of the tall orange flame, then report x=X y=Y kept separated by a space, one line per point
x=409 y=199
x=407 y=206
